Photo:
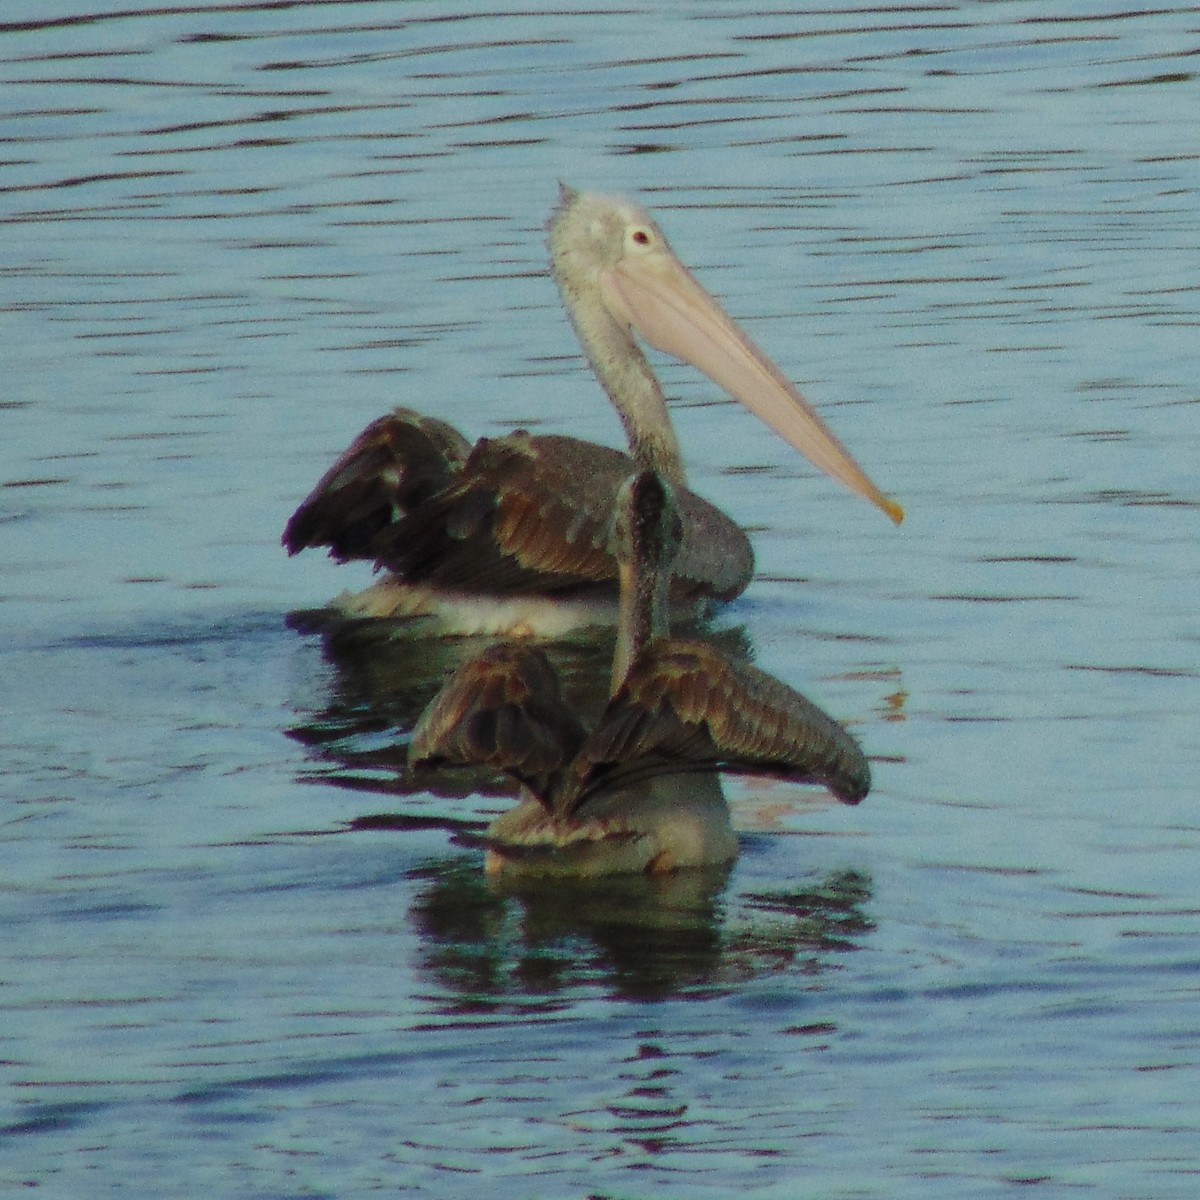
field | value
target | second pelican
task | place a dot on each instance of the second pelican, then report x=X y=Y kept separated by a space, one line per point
x=640 y=791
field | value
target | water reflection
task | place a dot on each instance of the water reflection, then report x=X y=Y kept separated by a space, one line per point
x=499 y=944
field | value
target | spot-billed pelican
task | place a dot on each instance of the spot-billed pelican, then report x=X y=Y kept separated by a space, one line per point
x=511 y=535
x=639 y=791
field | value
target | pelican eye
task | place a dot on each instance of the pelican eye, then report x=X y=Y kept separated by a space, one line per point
x=640 y=237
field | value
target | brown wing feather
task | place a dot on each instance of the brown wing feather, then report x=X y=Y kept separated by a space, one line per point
x=526 y=514
x=393 y=466
x=685 y=706
x=513 y=514
x=504 y=710
x=555 y=514
x=534 y=514
x=715 y=556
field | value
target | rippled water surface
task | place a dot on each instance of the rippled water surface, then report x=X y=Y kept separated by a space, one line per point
x=242 y=957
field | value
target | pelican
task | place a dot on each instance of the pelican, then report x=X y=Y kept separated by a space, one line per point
x=639 y=791
x=511 y=535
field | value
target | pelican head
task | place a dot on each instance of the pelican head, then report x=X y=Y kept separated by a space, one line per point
x=591 y=233
x=618 y=276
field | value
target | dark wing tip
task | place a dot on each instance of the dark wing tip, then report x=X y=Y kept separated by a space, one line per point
x=395 y=463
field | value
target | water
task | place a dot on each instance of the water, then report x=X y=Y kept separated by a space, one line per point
x=241 y=958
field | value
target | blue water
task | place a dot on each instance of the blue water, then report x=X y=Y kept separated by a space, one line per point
x=242 y=957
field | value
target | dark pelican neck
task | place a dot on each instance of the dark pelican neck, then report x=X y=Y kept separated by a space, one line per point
x=645 y=541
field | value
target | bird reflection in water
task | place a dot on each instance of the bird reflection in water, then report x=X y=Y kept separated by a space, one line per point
x=495 y=942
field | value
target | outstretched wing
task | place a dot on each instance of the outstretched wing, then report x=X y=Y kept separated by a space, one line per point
x=513 y=514
x=534 y=513
x=686 y=707
x=503 y=710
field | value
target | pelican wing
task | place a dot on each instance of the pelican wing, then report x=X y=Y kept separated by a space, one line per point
x=395 y=464
x=686 y=707
x=534 y=514
x=503 y=710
